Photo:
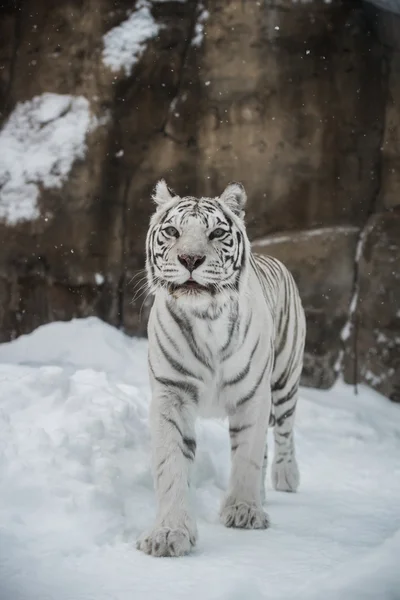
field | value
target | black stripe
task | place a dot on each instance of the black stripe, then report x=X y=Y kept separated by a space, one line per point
x=162 y=463
x=188 y=334
x=206 y=315
x=284 y=334
x=174 y=363
x=280 y=420
x=233 y=328
x=186 y=454
x=236 y=430
x=289 y=396
x=174 y=424
x=183 y=386
x=150 y=262
x=247 y=327
x=250 y=395
x=244 y=371
x=159 y=468
x=169 y=487
x=230 y=335
x=190 y=444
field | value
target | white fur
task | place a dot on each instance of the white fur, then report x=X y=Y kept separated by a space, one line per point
x=235 y=197
x=161 y=194
x=195 y=371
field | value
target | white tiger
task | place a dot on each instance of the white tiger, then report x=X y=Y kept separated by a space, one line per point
x=226 y=338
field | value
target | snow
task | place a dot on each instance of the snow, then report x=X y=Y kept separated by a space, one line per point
x=76 y=486
x=199 y=27
x=99 y=278
x=39 y=143
x=125 y=43
x=391 y=5
x=382 y=338
x=304 y=234
x=348 y=326
x=372 y=378
x=347 y=329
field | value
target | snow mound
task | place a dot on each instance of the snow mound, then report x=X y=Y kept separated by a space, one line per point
x=125 y=43
x=39 y=143
x=81 y=344
x=77 y=488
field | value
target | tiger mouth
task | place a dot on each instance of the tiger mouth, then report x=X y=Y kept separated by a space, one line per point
x=191 y=286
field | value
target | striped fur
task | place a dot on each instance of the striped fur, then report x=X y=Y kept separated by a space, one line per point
x=229 y=343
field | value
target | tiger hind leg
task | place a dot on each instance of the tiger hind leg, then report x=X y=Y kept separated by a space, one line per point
x=285 y=472
x=264 y=474
x=265 y=461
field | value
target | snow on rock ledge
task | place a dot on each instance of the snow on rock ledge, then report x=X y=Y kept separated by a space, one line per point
x=391 y=5
x=203 y=15
x=38 y=146
x=125 y=43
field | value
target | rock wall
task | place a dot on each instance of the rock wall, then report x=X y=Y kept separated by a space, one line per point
x=299 y=101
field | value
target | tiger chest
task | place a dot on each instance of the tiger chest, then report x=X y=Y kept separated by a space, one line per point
x=223 y=360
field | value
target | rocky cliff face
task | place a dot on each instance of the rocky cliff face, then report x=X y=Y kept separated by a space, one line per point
x=299 y=101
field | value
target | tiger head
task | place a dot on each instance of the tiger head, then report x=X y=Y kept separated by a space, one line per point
x=197 y=248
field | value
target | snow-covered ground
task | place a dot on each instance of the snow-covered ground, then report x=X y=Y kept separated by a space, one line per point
x=76 y=488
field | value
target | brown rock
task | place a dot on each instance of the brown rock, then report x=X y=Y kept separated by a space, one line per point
x=376 y=323
x=8 y=35
x=274 y=98
x=52 y=264
x=387 y=26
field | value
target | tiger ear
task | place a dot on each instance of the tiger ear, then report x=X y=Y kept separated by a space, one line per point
x=162 y=194
x=234 y=196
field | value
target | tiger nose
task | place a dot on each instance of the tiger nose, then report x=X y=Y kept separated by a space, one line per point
x=191 y=261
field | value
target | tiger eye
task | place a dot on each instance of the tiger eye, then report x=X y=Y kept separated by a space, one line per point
x=217 y=233
x=172 y=231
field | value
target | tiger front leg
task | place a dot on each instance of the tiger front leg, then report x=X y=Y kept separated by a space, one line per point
x=173 y=445
x=242 y=506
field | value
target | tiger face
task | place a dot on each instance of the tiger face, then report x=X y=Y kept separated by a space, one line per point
x=197 y=248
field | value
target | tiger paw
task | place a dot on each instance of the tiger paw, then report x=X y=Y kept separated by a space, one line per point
x=285 y=475
x=167 y=541
x=244 y=516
